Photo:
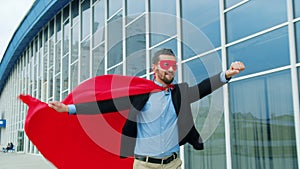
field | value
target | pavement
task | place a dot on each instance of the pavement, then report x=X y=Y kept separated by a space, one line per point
x=14 y=160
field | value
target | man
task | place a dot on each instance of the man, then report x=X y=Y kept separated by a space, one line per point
x=159 y=122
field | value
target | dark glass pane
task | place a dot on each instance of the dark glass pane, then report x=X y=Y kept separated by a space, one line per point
x=201 y=31
x=253 y=17
x=75 y=11
x=264 y=52
x=66 y=38
x=262 y=122
x=58 y=27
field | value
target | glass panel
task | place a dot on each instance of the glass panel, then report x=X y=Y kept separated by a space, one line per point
x=65 y=73
x=267 y=51
x=75 y=11
x=66 y=37
x=66 y=13
x=98 y=60
x=208 y=115
x=201 y=33
x=75 y=42
x=253 y=17
x=114 y=6
x=116 y=70
x=50 y=82
x=297 y=28
x=85 y=17
x=57 y=87
x=162 y=20
x=115 y=46
x=262 y=122
x=74 y=75
x=135 y=48
x=85 y=60
x=58 y=57
x=98 y=23
x=58 y=27
x=134 y=9
x=51 y=51
x=297 y=8
x=229 y=3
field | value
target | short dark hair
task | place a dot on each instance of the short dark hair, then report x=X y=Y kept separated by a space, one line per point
x=164 y=51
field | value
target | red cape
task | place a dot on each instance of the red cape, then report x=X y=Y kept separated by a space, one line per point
x=84 y=141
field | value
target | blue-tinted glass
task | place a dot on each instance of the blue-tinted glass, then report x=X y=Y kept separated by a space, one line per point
x=297 y=27
x=203 y=67
x=98 y=60
x=229 y=3
x=85 y=60
x=85 y=24
x=264 y=52
x=58 y=27
x=114 y=6
x=254 y=16
x=162 y=20
x=134 y=9
x=262 y=122
x=297 y=8
x=115 y=46
x=135 y=48
x=201 y=18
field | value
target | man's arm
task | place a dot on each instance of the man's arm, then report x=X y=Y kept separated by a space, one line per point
x=210 y=84
x=99 y=107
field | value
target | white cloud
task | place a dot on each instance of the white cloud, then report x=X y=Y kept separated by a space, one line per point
x=12 y=13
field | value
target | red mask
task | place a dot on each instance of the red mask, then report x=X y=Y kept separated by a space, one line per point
x=166 y=64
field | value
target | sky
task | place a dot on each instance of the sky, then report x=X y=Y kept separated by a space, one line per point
x=12 y=13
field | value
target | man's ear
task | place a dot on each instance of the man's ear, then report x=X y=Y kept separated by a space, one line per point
x=154 y=67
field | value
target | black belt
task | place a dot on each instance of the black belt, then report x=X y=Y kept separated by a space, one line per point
x=156 y=160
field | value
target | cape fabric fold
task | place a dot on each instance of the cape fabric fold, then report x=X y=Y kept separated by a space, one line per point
x=84 y=141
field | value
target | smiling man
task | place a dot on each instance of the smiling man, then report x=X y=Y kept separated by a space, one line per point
x=159 y=122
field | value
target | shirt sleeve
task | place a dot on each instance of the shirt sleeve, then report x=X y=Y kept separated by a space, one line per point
x=72 y=109
x=223 y=77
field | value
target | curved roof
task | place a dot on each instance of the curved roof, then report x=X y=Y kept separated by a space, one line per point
x=36 y=18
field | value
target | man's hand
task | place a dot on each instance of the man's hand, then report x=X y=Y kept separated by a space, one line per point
x=58 y=106
x=235 y=68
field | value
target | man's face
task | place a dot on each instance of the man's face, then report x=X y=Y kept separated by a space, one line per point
x=165 y=69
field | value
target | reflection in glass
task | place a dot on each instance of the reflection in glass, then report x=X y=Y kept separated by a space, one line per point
x=262 y=122
x=85 y=60
x=85 y=19
x=98 y=23
x=74 y=75
x=115 y=46
x=297 y=29
x=98 y=60
x=296 y=8
x=162 y=20
x=114 y=6
x=261 y=53
x=66 y=37
x=75 y=43
x=116 y=70
x=201 y=33
x=65 y=72
x=134 y=9
x=253 y=17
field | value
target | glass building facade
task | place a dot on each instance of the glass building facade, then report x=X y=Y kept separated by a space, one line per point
x=253 y=122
